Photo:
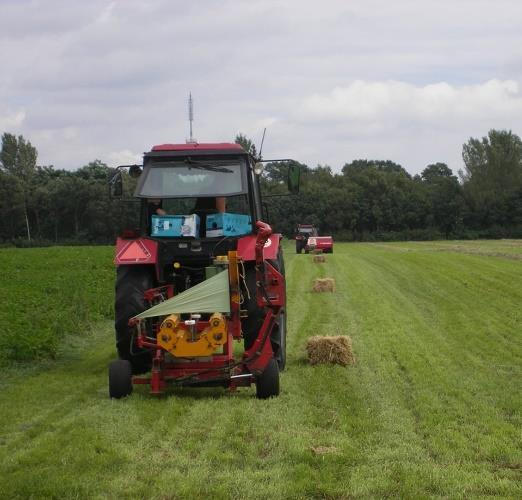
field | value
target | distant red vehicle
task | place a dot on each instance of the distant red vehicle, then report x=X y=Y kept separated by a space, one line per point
x=307 y=238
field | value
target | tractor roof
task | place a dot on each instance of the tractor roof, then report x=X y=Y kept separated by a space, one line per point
x=199 y=147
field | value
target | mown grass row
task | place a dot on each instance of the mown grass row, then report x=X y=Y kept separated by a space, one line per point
x=432 y=407
x=48 y=295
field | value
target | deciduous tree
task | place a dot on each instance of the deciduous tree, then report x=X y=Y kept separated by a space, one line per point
x=18 y=159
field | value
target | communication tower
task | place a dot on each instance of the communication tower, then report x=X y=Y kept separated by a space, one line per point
x=191 y=140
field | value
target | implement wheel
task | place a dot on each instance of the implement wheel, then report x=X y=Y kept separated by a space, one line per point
x=120 y=379
x=131 y=283
x=267 y=384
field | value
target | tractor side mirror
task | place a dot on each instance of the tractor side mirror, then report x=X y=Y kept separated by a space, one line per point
x=135 y=171
x=116 y=185
x=294 y=178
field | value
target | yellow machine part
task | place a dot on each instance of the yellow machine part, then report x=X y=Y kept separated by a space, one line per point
x=178 y=339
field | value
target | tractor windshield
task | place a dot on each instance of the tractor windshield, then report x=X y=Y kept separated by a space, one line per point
x=192 y=178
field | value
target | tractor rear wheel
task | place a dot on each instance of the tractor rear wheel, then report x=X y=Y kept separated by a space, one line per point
x=279 y=340
x=267 y=384
x=252 y=324
x=131 y=283
x=255 y=315
x=120 y=379
x=278 y=337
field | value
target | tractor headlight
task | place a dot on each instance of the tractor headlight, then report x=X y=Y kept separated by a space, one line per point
x=258 y=168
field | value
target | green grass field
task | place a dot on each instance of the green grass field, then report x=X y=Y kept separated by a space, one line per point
x=432 y=408
x=47 y=294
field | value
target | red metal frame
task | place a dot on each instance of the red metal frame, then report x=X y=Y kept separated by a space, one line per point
x=223 y=367
x=195 y=146
x=246 y=247
x=321 y=243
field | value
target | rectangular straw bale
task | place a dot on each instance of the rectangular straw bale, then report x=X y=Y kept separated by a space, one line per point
x=323 y=285
x=319 y=258
x=330 y=349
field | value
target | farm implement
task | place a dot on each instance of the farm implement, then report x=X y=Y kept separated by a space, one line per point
x=307 y=238
x=202 y=273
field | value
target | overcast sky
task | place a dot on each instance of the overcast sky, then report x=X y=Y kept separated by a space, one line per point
x=333 y=81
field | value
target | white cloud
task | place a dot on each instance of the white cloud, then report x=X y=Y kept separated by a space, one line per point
x=11 y=120
x=265 y=122
x=391 y=102
x=124 y=157
x=106 y=13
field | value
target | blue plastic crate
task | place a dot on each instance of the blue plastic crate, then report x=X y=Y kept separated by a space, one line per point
x=227 y=224
x=177 y=226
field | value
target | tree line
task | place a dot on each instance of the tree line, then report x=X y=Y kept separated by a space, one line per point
x=367 y=200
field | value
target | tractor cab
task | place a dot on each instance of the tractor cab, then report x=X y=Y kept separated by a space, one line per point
x=177 y=312
x=197 y=181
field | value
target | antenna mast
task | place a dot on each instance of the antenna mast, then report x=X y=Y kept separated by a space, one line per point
x=191 y=118
x=262 y=142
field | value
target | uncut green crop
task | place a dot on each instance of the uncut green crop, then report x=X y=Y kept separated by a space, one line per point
x=49 y=295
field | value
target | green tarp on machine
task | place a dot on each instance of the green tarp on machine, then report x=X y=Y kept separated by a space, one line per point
x=209 y=296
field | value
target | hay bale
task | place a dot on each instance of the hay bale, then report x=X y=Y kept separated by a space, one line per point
x=323 y=285
x=330 y=349
x=323 y=450
x=319 y=258
x=316 y=251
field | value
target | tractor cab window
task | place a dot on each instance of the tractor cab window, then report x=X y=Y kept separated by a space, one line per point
x=192 y=178
x=233 y=204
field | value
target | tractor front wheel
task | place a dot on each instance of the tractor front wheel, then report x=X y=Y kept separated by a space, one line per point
x=120 y=379
x=267 y=384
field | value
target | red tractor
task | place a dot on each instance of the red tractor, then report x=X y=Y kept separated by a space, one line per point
x=202 y=272
x=307 y=238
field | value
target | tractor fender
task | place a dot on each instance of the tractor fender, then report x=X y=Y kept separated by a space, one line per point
x=136 y=251
x=246 y=247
